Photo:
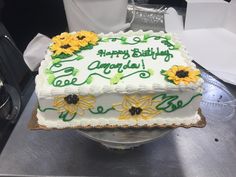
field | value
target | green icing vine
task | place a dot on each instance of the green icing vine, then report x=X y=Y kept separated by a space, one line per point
x=57 y=82
x=135 y=40
x=63 y=116
x=100 y=110
x=45 y=109
x=167 y=104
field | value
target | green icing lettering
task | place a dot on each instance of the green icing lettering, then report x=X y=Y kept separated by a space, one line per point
x=107 y=67
x=114 y=53
x=150 y=52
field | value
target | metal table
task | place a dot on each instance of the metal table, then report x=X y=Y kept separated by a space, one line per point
x=195 y=152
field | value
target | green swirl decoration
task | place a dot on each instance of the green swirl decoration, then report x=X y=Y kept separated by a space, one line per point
x=45 y=109
x=64 y=116
x=101 y=110
x=170 y=103
x=136 y=40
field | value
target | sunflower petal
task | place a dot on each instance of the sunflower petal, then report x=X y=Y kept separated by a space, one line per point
x=125 y=115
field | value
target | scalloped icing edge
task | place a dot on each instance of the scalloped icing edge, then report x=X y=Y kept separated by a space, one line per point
x=120 y=89
x=198 y=121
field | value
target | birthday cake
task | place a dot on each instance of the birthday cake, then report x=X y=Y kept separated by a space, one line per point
x=125 y=79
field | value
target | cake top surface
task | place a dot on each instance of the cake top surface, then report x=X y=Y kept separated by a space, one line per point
x=124 y=62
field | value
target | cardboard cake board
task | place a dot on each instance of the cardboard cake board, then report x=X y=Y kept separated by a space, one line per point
x=33 y=124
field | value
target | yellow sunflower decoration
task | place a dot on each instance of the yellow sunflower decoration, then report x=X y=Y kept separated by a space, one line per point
x=74 y=103
x=181 y=74
x=137 y=107
x=64 y=46
x=69 y=43
x=65 y=37
x=83 y=38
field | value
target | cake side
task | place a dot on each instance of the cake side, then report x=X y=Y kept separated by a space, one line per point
x=130 y=62
x=116 y=110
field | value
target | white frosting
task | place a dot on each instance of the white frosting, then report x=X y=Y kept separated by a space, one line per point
x=132 y=84
x=185 y=115
x=93 y=122
x=108 y=94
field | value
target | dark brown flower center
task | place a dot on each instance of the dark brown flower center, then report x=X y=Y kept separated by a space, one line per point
x=71 y=99
x=80 y=37
x=135 y=110
x=66 y=46
x=182 y=74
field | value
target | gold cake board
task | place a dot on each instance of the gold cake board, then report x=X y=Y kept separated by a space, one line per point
x=33 y=124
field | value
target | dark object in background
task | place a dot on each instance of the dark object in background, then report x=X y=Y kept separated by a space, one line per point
x=5 y=102
x=174 y=3
x=18 y=83
x=25 y=18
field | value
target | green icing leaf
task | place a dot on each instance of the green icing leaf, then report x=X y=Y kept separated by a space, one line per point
x=119 y=75
x=163 y=72
x=146 y=36
x=89 y=80
x=116 y=78
x=123 y=38
x=75 y=71
x=151 y=71
x=79 y=57
x=56 y=60
x=168 y=37
x=89 y=46
x=51 y=78
x=61 y=56
x=177 y=46
x=166 y=78
x=105 y=39
x=48 y=71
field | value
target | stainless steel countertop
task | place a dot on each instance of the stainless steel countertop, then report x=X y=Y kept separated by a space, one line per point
x=201 y=152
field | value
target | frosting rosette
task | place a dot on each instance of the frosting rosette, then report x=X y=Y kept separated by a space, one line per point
x=181 y=74
x=137 y=107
